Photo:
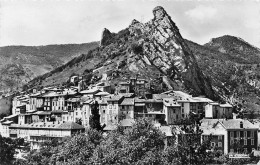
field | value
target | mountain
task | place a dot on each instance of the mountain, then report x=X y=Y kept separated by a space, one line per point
x=154 y=50
x=233 y=67
x=20 y=64
x=225 y=69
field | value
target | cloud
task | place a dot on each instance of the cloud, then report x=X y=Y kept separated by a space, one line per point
x=202 y=13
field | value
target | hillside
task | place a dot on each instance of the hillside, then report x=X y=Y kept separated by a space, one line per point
x=20 y=64
x=233 y=67
x=154 y=50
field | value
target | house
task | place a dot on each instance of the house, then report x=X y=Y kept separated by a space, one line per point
x=103 y=110
x=5 y=124
x=211 y=110
x=169 y=140
x=124 y=87
x=37 y=133
x=74 y=79
x=231 y=135
x=20 y=103
x=49 y=100
x=139 y=108
x=113 y=109
x=172 y=110
x=215 y=110
x=36 y=101
x=225 y=111
x=127 y=109
x=86 y=112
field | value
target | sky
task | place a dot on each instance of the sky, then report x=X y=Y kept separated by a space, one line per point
x=44 y=22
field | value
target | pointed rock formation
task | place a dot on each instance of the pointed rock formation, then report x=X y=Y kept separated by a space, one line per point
x=165 y=48
x=105 y=37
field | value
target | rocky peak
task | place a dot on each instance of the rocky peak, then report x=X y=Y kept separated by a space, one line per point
x=159 y=12
x=164 y=47
x=106 y=35
x=134 y=22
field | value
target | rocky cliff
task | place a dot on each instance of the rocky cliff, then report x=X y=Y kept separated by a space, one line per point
x=164 y=47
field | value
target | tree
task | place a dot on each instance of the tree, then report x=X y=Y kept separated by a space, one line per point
x=94 y=119
x=8 y=147
x=76 y=150
x=141 y=144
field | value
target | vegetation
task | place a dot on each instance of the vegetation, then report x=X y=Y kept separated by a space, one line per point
x=8 y=149
x=141 y=144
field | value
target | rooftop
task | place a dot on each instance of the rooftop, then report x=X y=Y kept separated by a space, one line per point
x=102 y=94
x=128 y=101
x=235 y=124
x=50 y=125
x=90 y=91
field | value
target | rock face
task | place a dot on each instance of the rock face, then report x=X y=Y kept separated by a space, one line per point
x=106 y=35
x=165 y=48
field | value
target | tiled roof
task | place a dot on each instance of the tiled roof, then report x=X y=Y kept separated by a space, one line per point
x=115 y=98
x=170 y=102
x=126 y=94
x=50 y=125
x=154 y=101
x=235 y=124
x=160 y=96
x=137 y=100
x=11 y=116
x=7 y=122
x=90 y=91
x=201 y=99
x=102 y=94
x=70 y=125
x=128 y=101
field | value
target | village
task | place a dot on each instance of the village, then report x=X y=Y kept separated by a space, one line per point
x=55 y=113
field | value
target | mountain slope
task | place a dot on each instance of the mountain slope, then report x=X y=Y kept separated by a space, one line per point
x=20 y=64
x=155 y=51
x=233 y=67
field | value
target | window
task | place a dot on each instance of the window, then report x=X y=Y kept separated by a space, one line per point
x=231 y=134
x=212 y=144
x=238 y=134
x=231 y=141
x=220 y=137
x=245 y=141
x=104 y=111
x=252 y=134
x=245 y=134
x=173 y=110
x=110 y=106
x=182 y=104
x=219 y=144
x=252 y=141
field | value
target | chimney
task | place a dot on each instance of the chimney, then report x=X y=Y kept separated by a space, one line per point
x=241 y=124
